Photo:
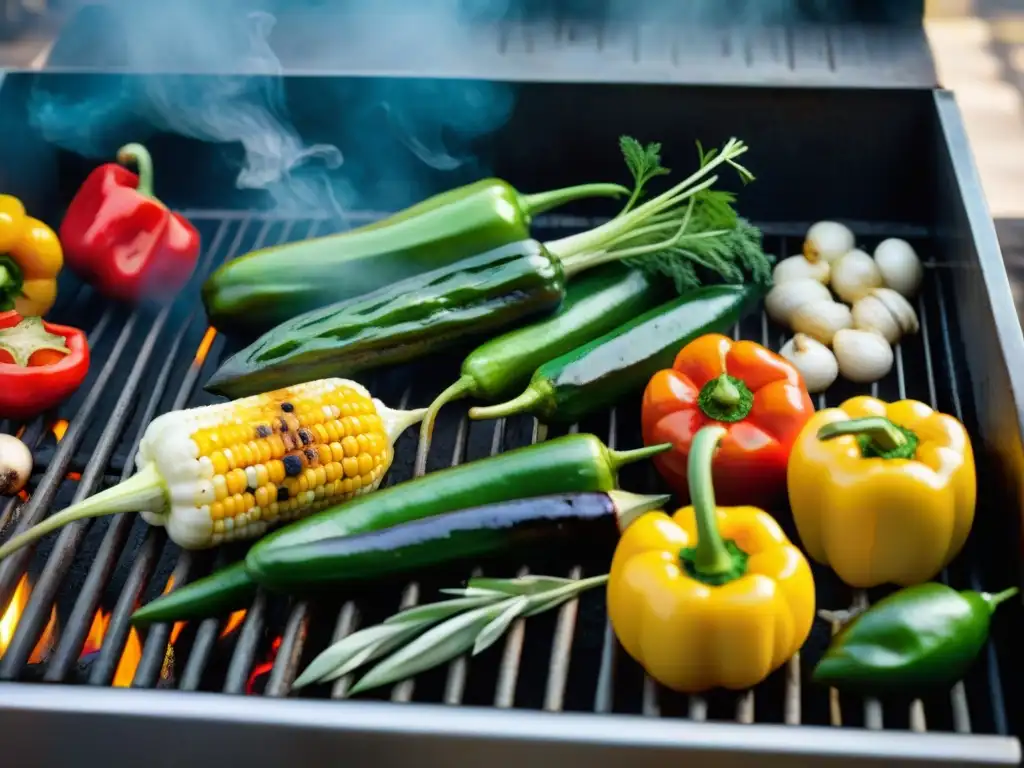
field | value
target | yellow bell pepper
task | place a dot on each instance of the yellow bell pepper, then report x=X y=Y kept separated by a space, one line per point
x=882 y=492
x=30 y=259
x=712 y=596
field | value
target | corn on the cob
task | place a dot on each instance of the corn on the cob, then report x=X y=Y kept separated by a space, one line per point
x=229 y=471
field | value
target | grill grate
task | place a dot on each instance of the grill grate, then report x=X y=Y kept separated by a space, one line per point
x=151 y=361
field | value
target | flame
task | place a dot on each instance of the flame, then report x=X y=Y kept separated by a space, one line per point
x=204 y=345
x=76 y=476
x=20 y=432
x=234 y=622
x=59 y=428
x=266 y=666
x=24 y=496
x=179 y=626
x=130 y=657
x=10 y=618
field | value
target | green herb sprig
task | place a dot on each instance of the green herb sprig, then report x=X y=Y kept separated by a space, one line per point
x=425 y=636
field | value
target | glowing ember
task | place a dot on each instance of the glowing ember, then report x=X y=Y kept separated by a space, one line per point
x=20 y=432
x=76 y=476
x=59 y=428
x=10 y=618
x=266 y=666
x=131 y=656
x=234 y=622
x=204 y=346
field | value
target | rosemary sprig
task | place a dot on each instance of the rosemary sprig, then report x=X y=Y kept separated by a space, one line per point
x=429 y=635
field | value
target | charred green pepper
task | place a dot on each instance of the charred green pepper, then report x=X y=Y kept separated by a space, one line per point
x=914 y=640
x=271 y=285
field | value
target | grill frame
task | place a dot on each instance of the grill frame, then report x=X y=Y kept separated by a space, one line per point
x=444 y=734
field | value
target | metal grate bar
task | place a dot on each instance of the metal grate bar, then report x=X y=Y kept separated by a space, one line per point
x=248 y=642
x=286 y=664
x=204 y=642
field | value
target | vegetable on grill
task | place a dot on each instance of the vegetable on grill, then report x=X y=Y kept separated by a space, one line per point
x=303 y=555
x=229 y=471
x=481 y=531
x=495 y=289
x=882 y=492
x=913 y=642
x=713 y=596
x=41 y=364
x=758 y=396
x=121 y=239
x=293 y=558
x=31 y=257
x=269 y=286
x=596 y=304
x=598 y=374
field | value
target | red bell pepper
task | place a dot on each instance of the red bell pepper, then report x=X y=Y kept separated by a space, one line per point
x=757 y=395
x=41 y=364
x=124 y=241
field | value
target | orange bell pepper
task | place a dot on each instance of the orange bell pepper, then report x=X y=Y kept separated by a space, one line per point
x=758 y=396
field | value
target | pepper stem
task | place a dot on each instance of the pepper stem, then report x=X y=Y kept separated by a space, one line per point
x=993 y=600
x=878 y=436
x=540 y=202
x=145 y=490
x=459 y=389
x=711 y=558
x=11 y=282
x=725 y=392
x=618 y=459
x=138 y=155
x=524 y=402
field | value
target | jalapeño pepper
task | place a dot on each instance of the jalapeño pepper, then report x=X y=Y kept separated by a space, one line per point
x=267 y=287
x=912 y=641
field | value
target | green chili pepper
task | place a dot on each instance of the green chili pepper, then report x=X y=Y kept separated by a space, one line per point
x=269 y=286
x=418 y=315
x=595 y=305
x=598 y=374
x=911 y=641
x=301 y=555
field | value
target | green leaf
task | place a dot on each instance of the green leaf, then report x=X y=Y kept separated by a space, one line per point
x=523 y=585
x=434 y=612
x=499 y=625
x=644 y=164
x=356 y=649
x=436 y=646
x=472 y=592
x=551 y=599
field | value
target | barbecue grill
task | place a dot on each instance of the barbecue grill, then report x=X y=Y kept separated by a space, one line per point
x=887 y=156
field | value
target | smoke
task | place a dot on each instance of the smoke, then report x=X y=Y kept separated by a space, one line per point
x=203 y=55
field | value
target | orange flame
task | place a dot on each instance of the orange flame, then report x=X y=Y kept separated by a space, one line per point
x=59 y=428
x=10 y=618
x=204 y=345
x=266 y=666
x=76 y=476
x=20 y=432
x=131 y=656
x=234 y=622
x=179 y=626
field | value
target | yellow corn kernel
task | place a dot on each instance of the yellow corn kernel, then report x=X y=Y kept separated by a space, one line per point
x=365 y=463
x=235 y=480
x=262 y=496
x=248 y=502
x=220 y=488
x=351 y=466
x=275 y=470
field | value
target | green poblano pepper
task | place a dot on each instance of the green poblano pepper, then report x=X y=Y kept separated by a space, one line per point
x=919 y=638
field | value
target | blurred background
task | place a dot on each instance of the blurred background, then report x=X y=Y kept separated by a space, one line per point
x=977 y=47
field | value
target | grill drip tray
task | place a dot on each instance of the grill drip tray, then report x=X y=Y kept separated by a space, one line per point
x=565 y=661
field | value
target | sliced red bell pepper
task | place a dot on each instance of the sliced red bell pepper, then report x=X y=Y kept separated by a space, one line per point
x=121 y=239
x=757 y=395
x=41 y=364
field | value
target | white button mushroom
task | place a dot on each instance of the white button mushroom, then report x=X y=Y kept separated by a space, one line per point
x=15 y=464
x=813 y=360
x=785 y=298
x=827 y=241
x=822 y=319
x=864 y=356
x=900 y=268
x=855 y=275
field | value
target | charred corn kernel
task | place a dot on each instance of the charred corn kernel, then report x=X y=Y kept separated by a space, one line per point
x=224 y=472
